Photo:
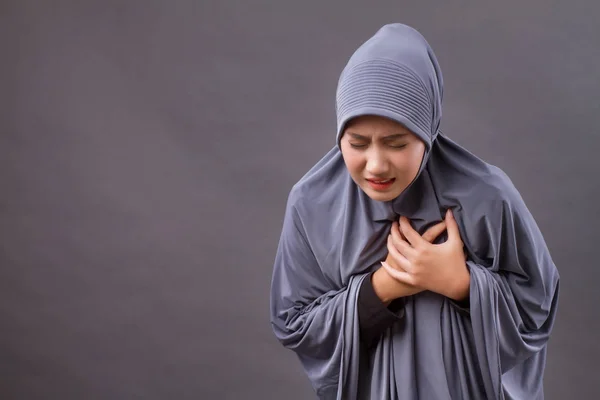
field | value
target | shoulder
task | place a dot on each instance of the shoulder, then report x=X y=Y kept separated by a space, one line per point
x=463 y=176
x=497 y=189
x=496 y=210
x=495 y=223
x=320 y=187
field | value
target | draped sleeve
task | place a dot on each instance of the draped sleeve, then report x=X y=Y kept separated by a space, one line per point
x=310 y=314
x=514 y=286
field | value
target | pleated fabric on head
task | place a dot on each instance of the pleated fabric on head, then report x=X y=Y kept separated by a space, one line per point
x=394 y=74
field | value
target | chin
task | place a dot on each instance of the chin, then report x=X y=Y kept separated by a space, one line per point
x=380 y=196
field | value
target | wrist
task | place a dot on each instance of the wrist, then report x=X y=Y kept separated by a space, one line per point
x=462 y=287
x=382 y=285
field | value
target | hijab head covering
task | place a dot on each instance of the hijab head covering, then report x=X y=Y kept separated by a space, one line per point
x=395 y=75
x=334 y=236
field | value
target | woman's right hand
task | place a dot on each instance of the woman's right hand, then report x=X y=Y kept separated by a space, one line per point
x=388 y=288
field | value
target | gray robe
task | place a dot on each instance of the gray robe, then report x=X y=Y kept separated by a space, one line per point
x=333 y=235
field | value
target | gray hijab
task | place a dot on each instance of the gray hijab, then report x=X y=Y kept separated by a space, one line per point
x=333 y=235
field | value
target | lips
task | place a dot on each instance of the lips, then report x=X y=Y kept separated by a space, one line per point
x=381 y=181
x=381 y=184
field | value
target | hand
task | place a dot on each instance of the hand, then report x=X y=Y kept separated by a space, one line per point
x=439 y=268
x=386 y=286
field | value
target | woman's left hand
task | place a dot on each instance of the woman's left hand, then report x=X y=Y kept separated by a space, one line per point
x=440 y=268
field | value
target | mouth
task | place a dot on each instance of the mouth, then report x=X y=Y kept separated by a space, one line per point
x=381 y=184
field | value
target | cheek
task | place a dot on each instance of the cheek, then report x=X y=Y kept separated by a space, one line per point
x=417 y=158
x=354 y=163
x=410 y=163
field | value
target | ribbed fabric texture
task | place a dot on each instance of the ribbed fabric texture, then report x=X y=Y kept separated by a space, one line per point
x=388 y=87
x=394 y=74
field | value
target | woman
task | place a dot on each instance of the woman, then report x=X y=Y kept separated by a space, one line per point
x=407 y=267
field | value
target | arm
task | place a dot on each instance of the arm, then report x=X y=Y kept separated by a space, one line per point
x=388 y=289
x=514 y=290
x=380 y=302
x=309 y=314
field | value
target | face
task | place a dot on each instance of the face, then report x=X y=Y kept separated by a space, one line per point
x=382 y=156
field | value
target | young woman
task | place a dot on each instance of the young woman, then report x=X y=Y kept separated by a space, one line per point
x=407 y=267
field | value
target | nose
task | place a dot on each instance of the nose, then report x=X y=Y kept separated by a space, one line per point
x=377 y=164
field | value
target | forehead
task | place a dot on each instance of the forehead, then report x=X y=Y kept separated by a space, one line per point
x=373 y=125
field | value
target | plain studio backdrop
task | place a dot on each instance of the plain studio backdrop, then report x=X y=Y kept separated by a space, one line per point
x=147 y=149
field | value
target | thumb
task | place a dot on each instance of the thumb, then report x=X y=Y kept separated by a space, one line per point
x=452 y=226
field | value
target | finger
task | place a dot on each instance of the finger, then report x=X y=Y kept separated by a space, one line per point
x=410 y=234
x=396 y=224
x=396 y=228
x=398 y=257
x=434 y=231
x=401 y=276
x=401 y=244
x=452 y=226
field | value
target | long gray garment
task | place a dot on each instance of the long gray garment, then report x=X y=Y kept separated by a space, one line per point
x=333 y=235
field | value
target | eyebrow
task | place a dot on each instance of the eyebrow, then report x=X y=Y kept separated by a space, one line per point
x=388 y=137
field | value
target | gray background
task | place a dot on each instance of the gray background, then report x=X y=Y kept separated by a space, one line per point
x=146 y=153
